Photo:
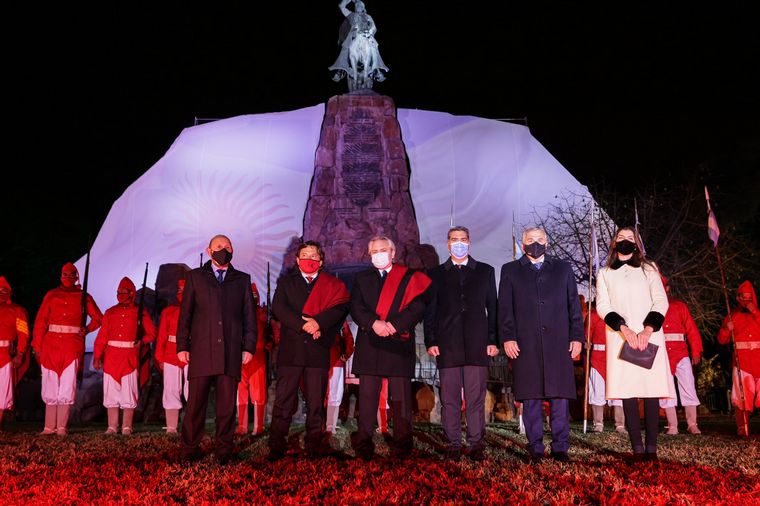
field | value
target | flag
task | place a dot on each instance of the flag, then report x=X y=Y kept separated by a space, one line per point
x=713 y=232
x=594 y=244
x=516 y=246
x=638 y=232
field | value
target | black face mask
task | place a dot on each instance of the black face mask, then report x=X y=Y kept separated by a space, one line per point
x=625 y=247
x=222 y=257
x=535 y=250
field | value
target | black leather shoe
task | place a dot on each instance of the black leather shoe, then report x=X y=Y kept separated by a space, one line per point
x=477 y=454
x=635 y=458
x=275 y=455
x=453 y=455
x=561 y=457
x=535 y=458
x=227 y=458
x=651 y=456
x=192 y=456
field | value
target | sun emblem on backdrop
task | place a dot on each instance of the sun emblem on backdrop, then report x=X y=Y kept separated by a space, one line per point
x=250 y=212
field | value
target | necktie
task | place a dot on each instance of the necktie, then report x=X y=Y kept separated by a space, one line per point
x=382 y=275
x=308 y=280
x=537 y=265
x=220 y=275
x=459 y=266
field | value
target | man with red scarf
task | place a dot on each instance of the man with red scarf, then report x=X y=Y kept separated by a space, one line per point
x=14 y=334
x=59 y=346
x=745 y=323
x=682 y=340
x=387 y=302
x=253 y=379
x=311 y=306
x=117 y=351
x=173 y=369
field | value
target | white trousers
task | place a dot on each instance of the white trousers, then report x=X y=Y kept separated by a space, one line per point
x=751 y=391
x=6 y=386
x=596 y=390
x=687 y=389
x=60 y=389
x=175 y=384
x=120 y=394
x=335 y=387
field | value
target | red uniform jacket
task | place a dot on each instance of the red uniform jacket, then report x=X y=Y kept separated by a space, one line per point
x=678 y=320
x=259 y=362
x=62 y=306
x=120 y=324
x=166 y=351
x=746 y=328
x=14 y=327
x=598 y=336
x=344 y=345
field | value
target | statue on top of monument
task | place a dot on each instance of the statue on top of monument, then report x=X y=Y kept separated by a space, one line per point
x=359 y=59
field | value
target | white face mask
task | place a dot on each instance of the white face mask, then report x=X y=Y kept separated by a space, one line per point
x=381 y=260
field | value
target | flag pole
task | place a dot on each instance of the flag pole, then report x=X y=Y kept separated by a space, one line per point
x=710 y=221
x=588 y=320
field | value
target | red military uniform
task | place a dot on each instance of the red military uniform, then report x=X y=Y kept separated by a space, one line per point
x=746 y=321
x=119 y=352
x=14 y=332
x=340 y=352
x=173 y=369
x=253 y=375
x=598 y=344
x=598 y=376
x=60 y=347
x=681 y=338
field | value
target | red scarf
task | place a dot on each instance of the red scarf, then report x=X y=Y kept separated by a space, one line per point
x=328 y=291
x=418 y=283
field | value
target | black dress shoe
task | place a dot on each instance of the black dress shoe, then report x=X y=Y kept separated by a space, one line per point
x=561 y=457
x=453 y=455
x=192 y=456
x=651 y=456
x=365 y=456
x=227 y=458
x=535 y=458
x=635 y=458
x=275 y=455
x=477 y=454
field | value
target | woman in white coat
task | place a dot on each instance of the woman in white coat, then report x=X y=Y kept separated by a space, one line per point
x=632 y=302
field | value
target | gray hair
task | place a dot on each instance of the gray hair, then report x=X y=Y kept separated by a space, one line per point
x=534 y=229
x=382 y=238
x=458 y=229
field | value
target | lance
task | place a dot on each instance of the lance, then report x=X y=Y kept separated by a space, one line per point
x=201 y=264
x=141 y=306
x=83 y=320
x=269 y=319
x=591 y=245
x=713 y=232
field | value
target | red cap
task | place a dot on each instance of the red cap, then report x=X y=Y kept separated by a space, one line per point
x=255 y=290
x=4 y=284
x=126 y=284
x=746 y=287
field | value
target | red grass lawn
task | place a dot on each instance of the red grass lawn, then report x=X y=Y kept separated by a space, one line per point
x=88 y=467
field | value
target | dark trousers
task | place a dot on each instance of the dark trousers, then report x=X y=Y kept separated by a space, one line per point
x=651 y=422
x=471 y=379
x=400 y=395
x=533 y=418
x=286 y=404
x=194 y=424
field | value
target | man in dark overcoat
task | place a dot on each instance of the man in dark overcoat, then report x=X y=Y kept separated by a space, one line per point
x=460 y=331
x=541 y=328
x=216 y=334
x=311 y=305
x=387 y=302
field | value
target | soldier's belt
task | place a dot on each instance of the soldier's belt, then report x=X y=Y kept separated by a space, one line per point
x=172 y=339
x=674 y=337
x=598 y=347
x=748 y=345
x=122 y=344
x=5 y=344
x=64 y=329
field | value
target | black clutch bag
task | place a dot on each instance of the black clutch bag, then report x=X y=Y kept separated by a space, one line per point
x=640 y=358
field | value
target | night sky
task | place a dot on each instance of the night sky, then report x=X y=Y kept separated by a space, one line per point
x=646 y=95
